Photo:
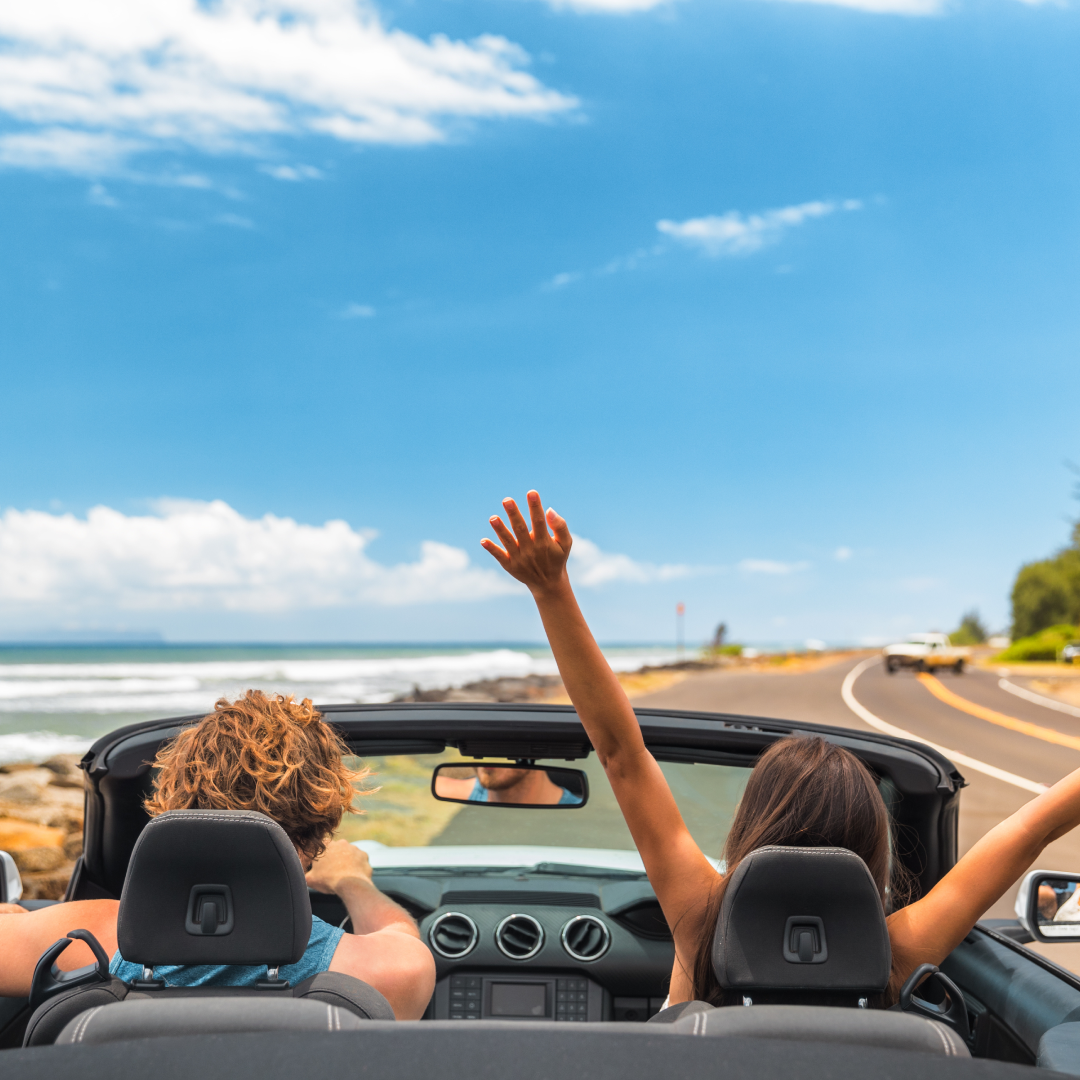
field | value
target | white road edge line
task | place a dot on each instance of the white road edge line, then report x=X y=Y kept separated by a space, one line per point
x=847 y=693
x=1029 y=695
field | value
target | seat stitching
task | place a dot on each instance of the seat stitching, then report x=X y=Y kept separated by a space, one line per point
x=84 y=1022
x=940 y=1032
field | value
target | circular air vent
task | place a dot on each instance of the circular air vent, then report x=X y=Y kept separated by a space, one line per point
x=520 y=937
x=585 y=938
x=453 y=935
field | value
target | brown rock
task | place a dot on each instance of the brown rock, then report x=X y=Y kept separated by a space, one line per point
x=18 y=835
x=17 y=766
x=36 y=859
x=73 y=845
x=65 y=769
x=25 y=786
x=50 y=885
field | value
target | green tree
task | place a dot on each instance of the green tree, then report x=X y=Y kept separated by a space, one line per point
x=1047 y=593
x=972 y=630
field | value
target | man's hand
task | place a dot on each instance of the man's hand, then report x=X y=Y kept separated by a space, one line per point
x=340 y=862
x=12 y=909
x=534 y=557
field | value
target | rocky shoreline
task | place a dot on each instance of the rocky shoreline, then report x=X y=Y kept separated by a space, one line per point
x=41 y=822
x=531 y=687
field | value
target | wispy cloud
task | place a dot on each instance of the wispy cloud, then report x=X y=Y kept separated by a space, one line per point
x=358 y=311
x=207 y=556
x=92 y=83
x=725 y=234
x=292 y=173
x=235 y=221
x=98 y=196
x=734 y=234
x=887 y=7
x=771 y=566
x=842 y=554
x=590 y=566
x=876 y=7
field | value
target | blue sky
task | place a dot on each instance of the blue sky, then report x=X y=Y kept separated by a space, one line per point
x=775 y=302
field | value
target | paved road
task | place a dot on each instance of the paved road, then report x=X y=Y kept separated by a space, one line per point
x=905 y=702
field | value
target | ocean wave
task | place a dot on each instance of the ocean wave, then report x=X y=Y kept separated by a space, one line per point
x=181 y=687
x=39 y=746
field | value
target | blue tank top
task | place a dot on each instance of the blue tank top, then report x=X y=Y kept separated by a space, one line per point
x=317 y=956
x=479 y=793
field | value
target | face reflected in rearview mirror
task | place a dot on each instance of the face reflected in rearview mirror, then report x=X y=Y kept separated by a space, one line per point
x=1058 y=902
x=536 y=787
x=1049 y=905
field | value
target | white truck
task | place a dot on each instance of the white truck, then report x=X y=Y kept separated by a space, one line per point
x=925 y=652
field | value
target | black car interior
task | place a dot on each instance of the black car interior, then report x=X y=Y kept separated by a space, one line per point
x=553 y=947
x=207 y=887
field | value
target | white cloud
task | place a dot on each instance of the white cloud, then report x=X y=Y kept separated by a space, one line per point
x=292 y=173
x=98 y=196
x=590 y=566
x=889 y=7
x=879 y=7
x=733 y=234
x=771 y=566
x=609 y=7
x=93 y=82
x=842 y=554
x=207 y=556
x=236 y=221
x=358 y=311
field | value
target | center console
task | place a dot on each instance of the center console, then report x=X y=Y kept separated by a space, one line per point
x=481 y=995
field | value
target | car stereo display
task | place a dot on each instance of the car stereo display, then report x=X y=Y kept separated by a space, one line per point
x=518 y=999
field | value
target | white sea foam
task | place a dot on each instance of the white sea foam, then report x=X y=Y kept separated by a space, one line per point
x=39 y=745
x=171 y=689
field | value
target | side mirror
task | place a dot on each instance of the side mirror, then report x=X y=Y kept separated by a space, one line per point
x=1048 y=905
x=10 y=880
x=526 y=786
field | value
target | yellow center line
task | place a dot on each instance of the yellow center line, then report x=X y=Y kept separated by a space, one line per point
x=1036 y=731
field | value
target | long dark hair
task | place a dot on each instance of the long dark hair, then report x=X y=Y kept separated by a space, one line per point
x=803 y=792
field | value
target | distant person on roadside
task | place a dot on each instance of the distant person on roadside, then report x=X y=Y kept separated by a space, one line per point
x=802 y=792
x=274 y=755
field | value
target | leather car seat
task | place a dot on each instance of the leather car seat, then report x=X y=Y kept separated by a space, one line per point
x=211 y=887
x=801 y=938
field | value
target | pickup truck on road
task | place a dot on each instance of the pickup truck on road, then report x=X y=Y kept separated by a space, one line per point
x=925 y=652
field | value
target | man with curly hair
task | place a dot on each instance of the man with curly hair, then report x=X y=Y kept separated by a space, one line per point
x=276 y=756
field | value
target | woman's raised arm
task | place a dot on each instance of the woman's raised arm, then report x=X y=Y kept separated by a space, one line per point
x=679 y=872
x=928 y=930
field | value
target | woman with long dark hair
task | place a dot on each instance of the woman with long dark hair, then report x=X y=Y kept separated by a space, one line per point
x=802 y=792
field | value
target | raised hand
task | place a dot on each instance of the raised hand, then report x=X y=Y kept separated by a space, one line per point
x=533 y=556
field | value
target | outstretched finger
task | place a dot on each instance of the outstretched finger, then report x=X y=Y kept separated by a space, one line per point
x=536 y=513
x=497 y=552
x=517 y=522
x=560 y=529
x=505 y=535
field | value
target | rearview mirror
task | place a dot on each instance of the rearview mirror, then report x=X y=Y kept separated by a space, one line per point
x=536 y=787
x=1048 y=905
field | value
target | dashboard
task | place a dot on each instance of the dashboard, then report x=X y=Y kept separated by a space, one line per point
x=518 y=946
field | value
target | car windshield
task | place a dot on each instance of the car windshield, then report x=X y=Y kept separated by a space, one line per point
x=403 y=825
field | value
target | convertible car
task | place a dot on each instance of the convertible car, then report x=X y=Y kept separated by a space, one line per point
x=552 y=954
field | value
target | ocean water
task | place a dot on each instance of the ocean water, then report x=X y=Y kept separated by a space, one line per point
x=58 y=699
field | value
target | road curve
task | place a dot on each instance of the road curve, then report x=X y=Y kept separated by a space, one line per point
x=903 y=702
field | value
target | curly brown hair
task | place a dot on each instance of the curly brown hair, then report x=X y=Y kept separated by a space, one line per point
x=265 y=753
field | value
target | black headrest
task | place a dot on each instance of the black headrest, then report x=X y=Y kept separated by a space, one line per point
x=214 y=887
x=802 y=919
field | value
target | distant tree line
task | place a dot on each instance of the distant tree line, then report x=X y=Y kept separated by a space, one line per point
x=1047 y=593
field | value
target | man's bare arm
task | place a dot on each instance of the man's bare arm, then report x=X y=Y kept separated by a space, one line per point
x=384 y=950
x=24 y=937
